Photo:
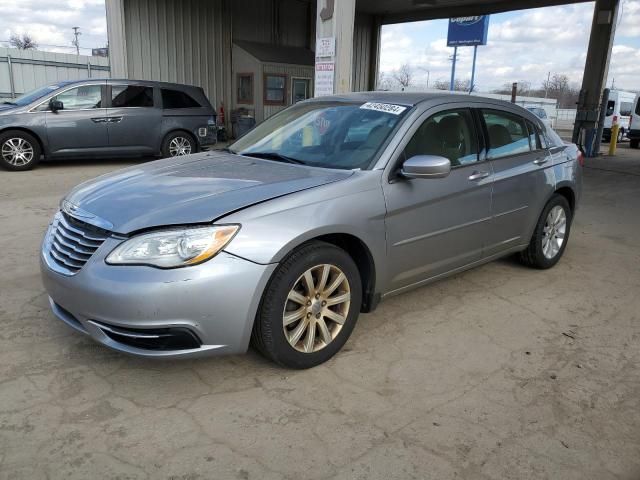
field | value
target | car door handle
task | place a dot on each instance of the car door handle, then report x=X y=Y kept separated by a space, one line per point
x=478 y=176
x=100 y=120
x=114 y=119
x=541 y=161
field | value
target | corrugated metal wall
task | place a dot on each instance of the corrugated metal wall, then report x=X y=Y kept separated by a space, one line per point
x=32 y=69
x=279 y=22
x=185 y=42
x=364 y=48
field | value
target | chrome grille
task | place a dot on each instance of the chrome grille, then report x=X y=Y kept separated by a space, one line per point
x=71 y=243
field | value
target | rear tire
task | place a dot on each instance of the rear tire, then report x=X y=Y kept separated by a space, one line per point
x=544 y=249
x=300 y=327
x=19 y=151
x=635 y=143
x=177 y=144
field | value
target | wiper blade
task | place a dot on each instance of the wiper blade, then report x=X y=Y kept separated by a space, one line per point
x=273 y=156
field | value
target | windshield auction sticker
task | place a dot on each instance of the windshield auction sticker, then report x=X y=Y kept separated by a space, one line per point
x=384 y=107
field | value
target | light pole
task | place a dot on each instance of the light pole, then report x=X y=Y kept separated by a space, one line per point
x=75 y=41
x=428 y=74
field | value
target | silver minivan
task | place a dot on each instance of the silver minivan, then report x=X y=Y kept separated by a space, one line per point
x=312 y=217
x=104 y=118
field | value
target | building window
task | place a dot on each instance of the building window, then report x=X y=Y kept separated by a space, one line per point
x=245 y=88
x=274 y=89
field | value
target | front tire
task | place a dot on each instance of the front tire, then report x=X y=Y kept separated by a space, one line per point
x=19 y=151
x=550 y=235
x=309 y=307
x=177 y=144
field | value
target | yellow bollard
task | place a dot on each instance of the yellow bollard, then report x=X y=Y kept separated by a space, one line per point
x=613 y=142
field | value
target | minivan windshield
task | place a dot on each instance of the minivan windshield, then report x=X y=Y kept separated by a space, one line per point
x=324 y=134
x=34 y=95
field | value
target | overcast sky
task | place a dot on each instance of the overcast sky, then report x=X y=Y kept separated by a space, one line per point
x=50 y=22
x=522 y=45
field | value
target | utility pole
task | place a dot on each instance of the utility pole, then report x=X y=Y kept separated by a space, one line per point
x=75 y=41
x=472 y=85
x=453 y=69
x=546 y=86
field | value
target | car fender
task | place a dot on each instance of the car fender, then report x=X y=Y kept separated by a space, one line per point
x=355 y=207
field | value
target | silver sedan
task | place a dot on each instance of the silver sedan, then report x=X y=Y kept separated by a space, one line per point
x=311 y=218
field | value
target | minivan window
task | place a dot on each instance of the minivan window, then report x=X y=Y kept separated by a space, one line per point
x=81 y=98
x=123 y=96
x=508 y=134
x=448 y=134
x=177 y=99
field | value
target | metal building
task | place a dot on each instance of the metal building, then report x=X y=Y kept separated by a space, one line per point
x=192 y=41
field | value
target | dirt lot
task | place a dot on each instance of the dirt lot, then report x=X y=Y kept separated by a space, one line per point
x=501 y=372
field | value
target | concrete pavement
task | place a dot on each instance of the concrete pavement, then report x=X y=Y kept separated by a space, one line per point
x=501 y=372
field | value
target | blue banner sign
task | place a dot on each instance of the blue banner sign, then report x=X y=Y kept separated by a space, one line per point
x=465 y=31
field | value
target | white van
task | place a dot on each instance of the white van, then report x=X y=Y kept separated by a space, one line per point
x=619 y=108
x=634 y=124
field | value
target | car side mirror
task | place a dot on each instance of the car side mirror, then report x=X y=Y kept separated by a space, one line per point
x=56 y=105
x=426 y=166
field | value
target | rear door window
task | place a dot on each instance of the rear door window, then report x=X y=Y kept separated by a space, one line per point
x=177 y=99
x=508 y=134
x=625 y=109
x=126 y=96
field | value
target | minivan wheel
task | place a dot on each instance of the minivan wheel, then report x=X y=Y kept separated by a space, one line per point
x=19 y=151
x=309 y=307
x=550 y=235
x=178 y=144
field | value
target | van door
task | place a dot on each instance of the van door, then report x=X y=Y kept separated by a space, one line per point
x=134 y=119
x=80 y=128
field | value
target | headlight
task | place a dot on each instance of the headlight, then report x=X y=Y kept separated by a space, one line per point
x=173 y=248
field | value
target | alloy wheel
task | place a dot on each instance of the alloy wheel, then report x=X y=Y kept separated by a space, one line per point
x=179 y=146
x=316 y=308
x=17 y=152
x=554 y=232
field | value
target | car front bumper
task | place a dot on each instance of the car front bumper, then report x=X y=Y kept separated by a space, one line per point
x=152 y=312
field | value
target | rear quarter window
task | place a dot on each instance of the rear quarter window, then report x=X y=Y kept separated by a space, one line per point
x=177 y=99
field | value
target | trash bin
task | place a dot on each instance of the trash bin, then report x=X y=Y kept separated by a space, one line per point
x=243 y=124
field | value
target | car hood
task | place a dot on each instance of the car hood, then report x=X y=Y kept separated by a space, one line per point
x=196 y=188
x=5 y=107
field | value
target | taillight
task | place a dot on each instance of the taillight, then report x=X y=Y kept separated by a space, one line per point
x=580 y=158
x=615 y=119
x=630 y=120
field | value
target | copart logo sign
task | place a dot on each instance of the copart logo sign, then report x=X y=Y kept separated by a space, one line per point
x=464 y=21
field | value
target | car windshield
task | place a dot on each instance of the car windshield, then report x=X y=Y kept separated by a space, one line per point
x=324 y=134
x=33 y=95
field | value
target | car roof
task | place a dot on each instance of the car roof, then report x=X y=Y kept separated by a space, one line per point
x=411 y=98
x=126 y=81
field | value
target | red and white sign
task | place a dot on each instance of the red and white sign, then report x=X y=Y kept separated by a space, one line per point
x=324 y=78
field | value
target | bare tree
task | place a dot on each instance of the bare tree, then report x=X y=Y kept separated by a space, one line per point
x=404 y=75
x=458 y=85
x=24 y=42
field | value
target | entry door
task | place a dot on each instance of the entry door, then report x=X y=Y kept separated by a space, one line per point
x=300 y=89
x=80 y=127
x=438 y=225
x=134 y=120
x=523 y=178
